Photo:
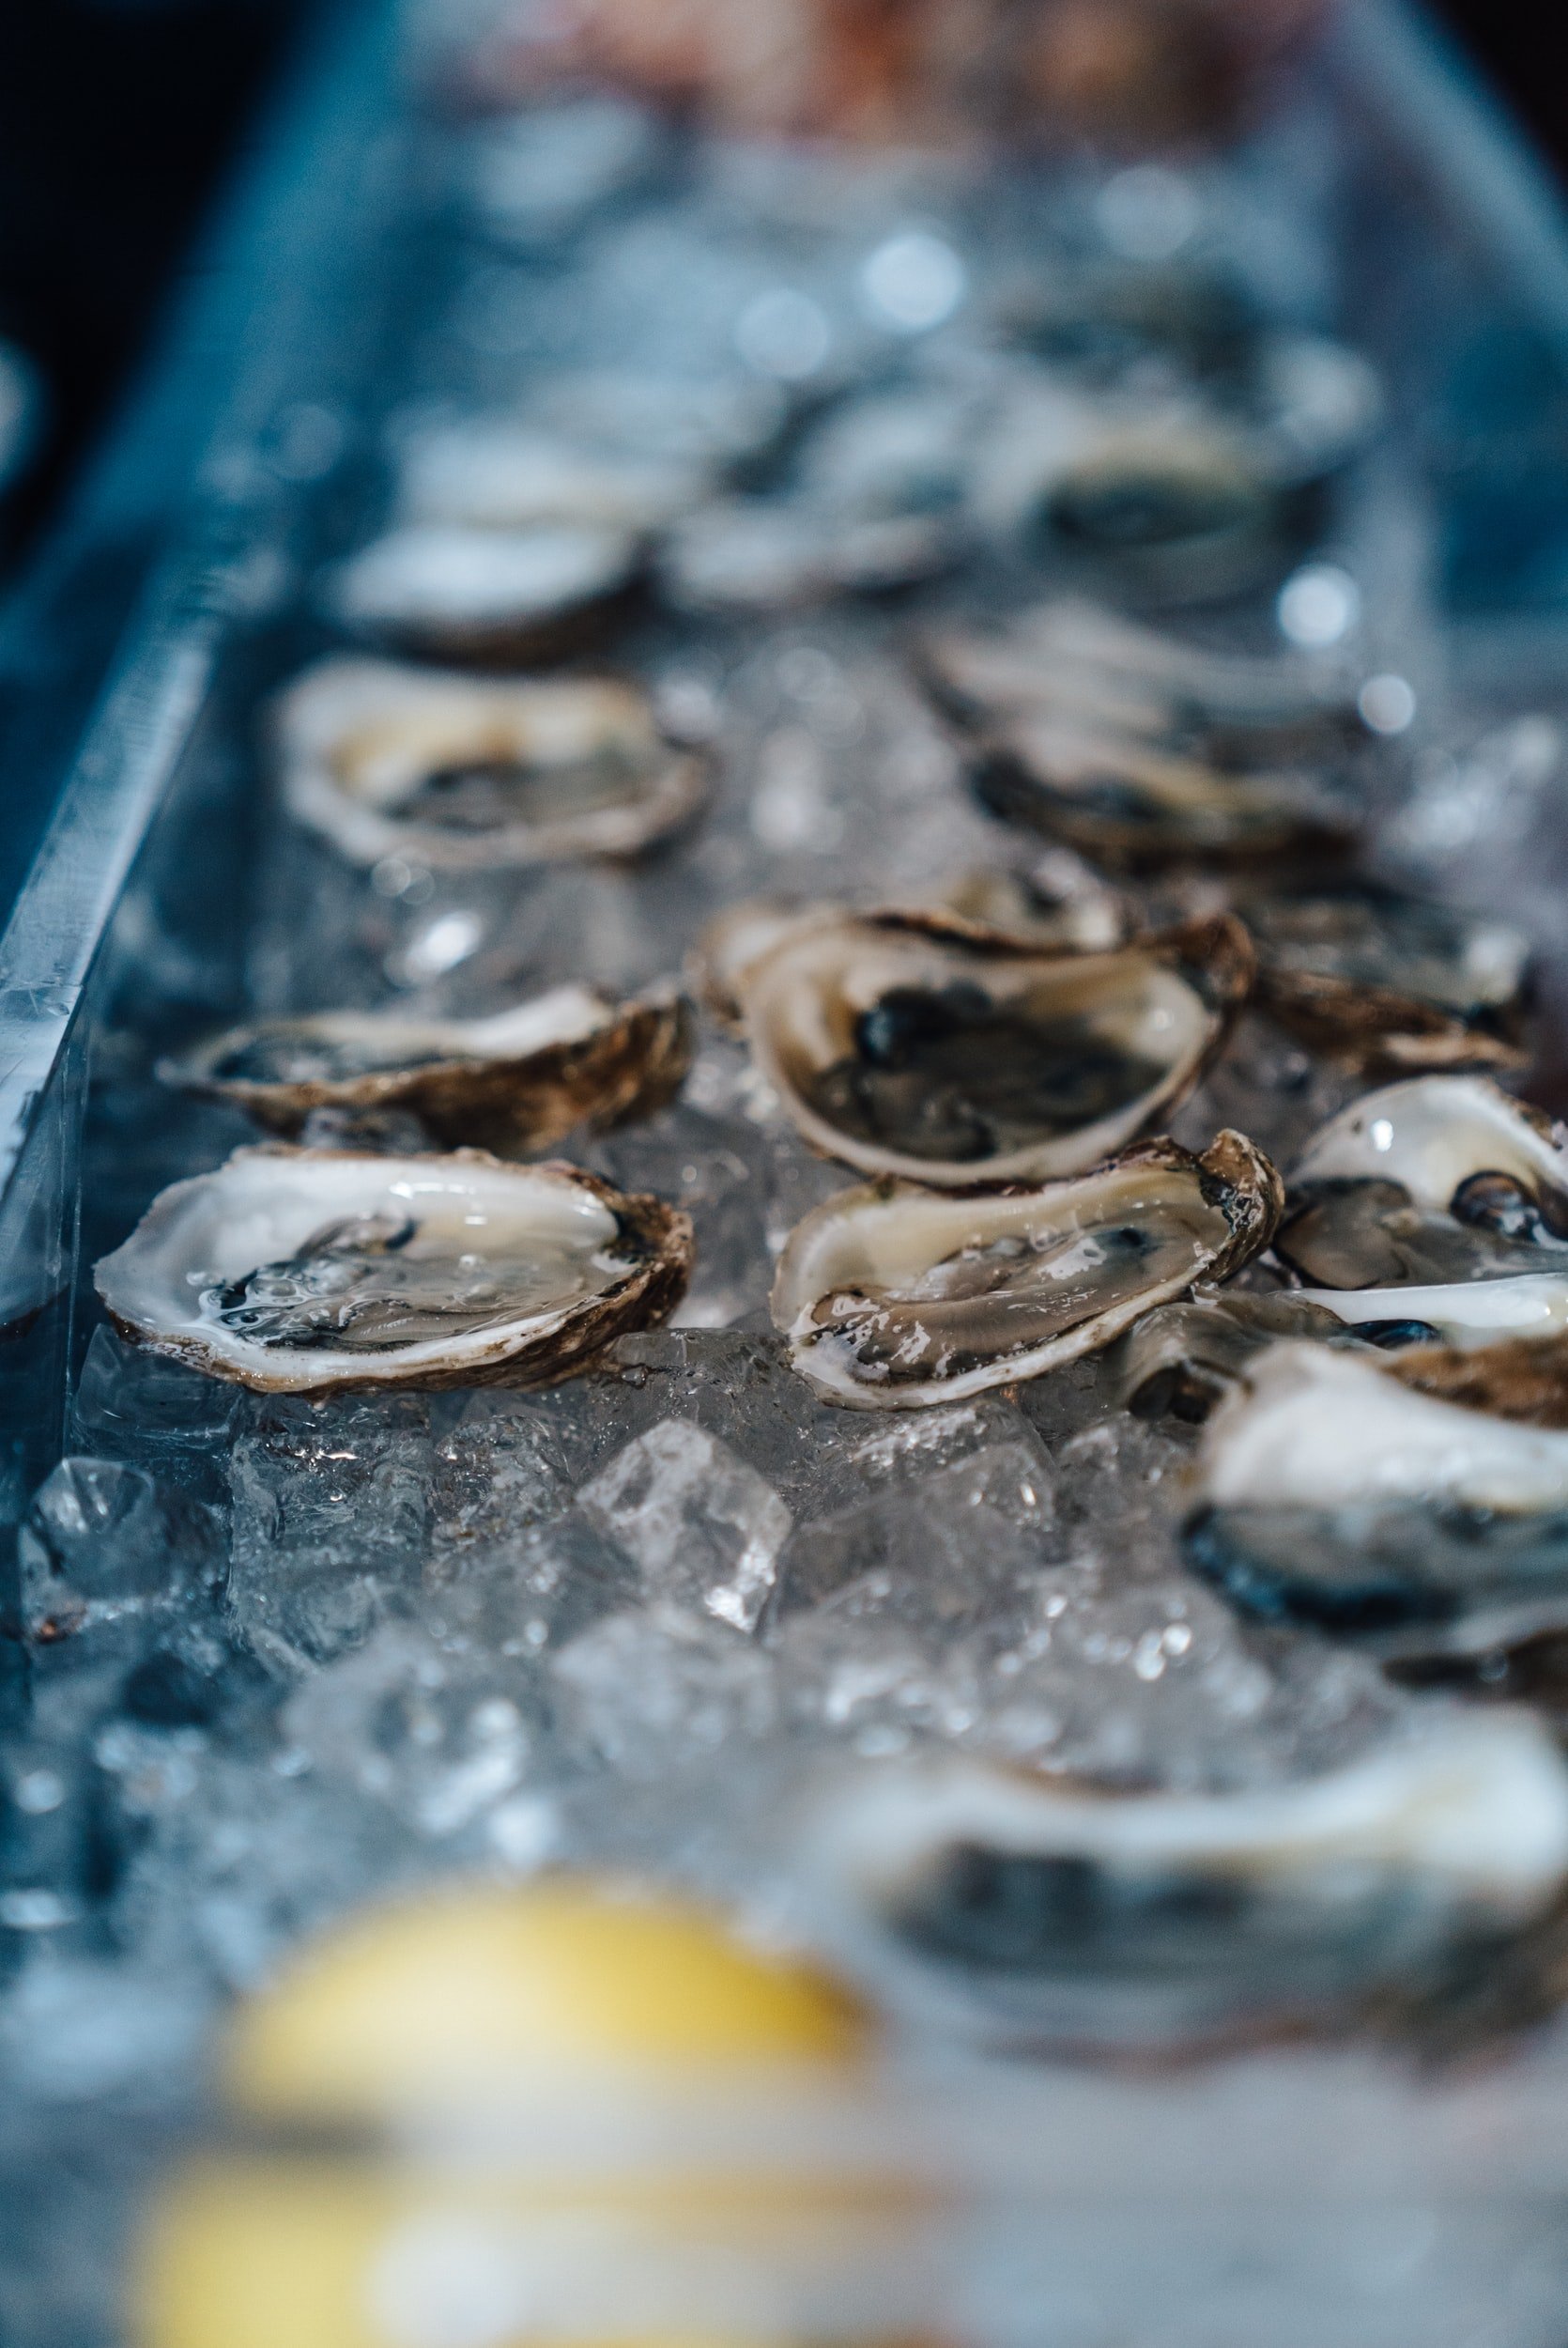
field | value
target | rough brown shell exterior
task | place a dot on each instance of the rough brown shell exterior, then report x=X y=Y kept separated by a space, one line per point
x=1522 y=1378
x=629 y=1068
x=1375 y=1031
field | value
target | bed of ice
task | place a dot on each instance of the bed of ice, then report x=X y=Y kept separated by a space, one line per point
x=280 y=1656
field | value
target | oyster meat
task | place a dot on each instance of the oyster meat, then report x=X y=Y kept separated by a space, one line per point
x=520 y=1080
x=466 y=774
x=303 y=1270
x=1386 y=984
x=457 y=591
x=1335 y=1496
x=1066 y=1914
x=919 y=1045
x=1180 y=1360
x=895 y=1298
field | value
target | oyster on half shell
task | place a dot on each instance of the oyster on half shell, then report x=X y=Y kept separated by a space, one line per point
x=466 y=774
x=916 y=1043
x=1417 y=1883
x=1434 y=1211
x=1137 y=805
x=457 y=591
x=1333 y=1494
x=1383 y=984
x=893 y=1298
x=1073 y=660
x=304 y=1271
x=1180 y=1360
x=520 y=1080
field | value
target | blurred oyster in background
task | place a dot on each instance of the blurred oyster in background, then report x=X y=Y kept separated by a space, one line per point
x=1129 y=72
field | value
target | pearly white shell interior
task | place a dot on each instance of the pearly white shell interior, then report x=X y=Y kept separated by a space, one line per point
x=261 y=1205
x=1315 y=1429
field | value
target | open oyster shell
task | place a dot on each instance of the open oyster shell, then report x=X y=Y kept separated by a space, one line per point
x=1139 y=747
x=1180 y=1360
x=1055 y=898
x=1062 y=1914
x=466 y=774
x=1165 y=505
x=1136 y=806
x=762 y=554
x=499 y=472
x=1439 y=1181
x=303 y=1270
x=1333 y=1494
x=454 y=590
x=916 y=1043
x=893 y=1298
x=1386 y=984
x=1071 y=658
x=518 y=1081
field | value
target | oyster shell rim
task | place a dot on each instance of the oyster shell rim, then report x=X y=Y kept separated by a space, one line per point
x=574 y=1336
x=1379 y=1031
x=1211 y=953
x=628 y=1065
x=682 y=780
x=858 y=1887
x=1246 y=1177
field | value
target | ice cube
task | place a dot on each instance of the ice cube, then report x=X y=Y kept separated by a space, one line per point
x=1152 y=1681
x=957 y=1540
x=496 y=1473
x=658 y=1687
x=872 y=1664
x=133 y=1404
x=330 y=1522
x=705 y=1529
x=438 y=1737
x=102 y=1543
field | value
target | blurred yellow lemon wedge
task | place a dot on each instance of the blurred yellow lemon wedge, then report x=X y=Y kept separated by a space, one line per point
x=459 y=1992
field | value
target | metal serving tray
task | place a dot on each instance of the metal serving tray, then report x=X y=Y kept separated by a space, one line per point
x=1120 y=2208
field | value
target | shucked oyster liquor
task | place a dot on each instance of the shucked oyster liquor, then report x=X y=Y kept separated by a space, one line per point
x=1336 y=1496
x=520 y=1080
x=1057 y=1914
x=299 y=1271
x=918 y=1044
x=893 y=1298
x=1434 y=1211
x=464 y=774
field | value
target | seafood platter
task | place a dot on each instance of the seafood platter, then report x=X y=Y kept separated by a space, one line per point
x=786 y=1307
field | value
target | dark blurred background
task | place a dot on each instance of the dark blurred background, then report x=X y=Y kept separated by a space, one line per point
x=118 y=116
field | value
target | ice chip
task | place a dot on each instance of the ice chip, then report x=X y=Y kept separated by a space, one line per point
x=438 y=1737
x=959 y=1536
x=135 y=1405
x=330 y=1522
x=657 y=1686
x=102 y=1543
x=705 y=1529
